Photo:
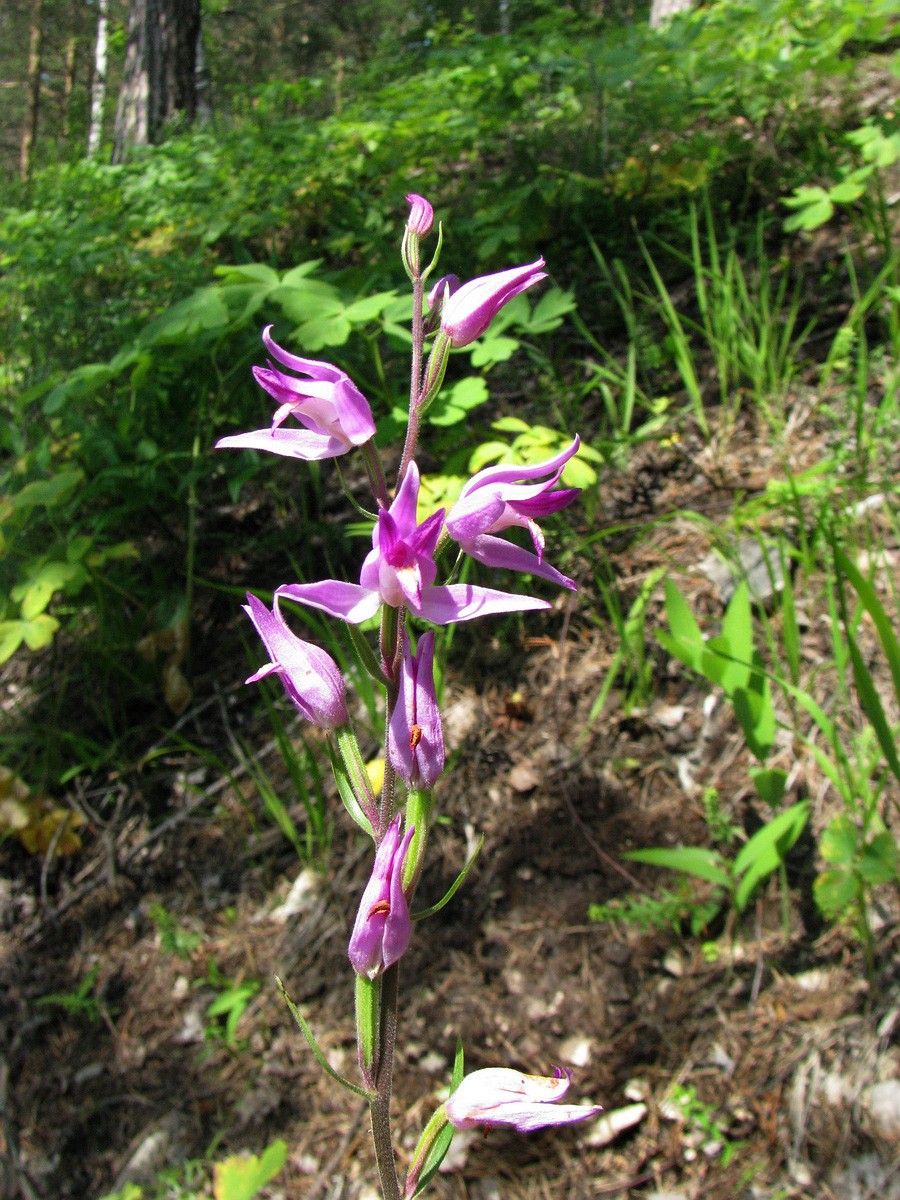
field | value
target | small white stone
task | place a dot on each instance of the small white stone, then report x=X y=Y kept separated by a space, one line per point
x=608 y=1127
x=432 y=1062
x=300 y=898
x=883 y=1103
x=576 y=1050
x=674 y=962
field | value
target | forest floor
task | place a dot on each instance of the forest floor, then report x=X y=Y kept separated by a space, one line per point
x=748 y=1061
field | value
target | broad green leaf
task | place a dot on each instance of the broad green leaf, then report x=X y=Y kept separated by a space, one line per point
x=511 y=425
x=310 y=299
x=577 y=473
x=205 y=310
x=692 y=860
x=35 y=594
x=756 y=716
x=39 y=632
x=846 y=191
x=737 y=634
x=251 y=272
x=493 y=350
x=486 y=453
x=837 y=891
x=452 y=405
x=297 y=274
x=769 y=783
x=878 y=863
x=243 y=1175
x=12 y=634
x=49 y=492
x=685 y=630
x=324 y=331
x=839 y=841
x=83 y=381
x=549 y=311
x=815 y=208
x=368 y=308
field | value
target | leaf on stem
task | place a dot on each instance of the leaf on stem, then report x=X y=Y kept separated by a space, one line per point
x=451 y=892
x=313 y=1045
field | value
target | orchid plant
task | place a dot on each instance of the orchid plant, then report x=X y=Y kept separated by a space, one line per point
x=322 y=414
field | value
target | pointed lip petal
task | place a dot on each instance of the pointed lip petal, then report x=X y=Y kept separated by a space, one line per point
x=425 y=537
x=442 y=605
x=290 y=443
x=497 y=552
x=347 y=601
x=545 y=503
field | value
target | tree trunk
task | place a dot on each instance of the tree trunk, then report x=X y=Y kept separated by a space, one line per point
x=69 y=85
x=663 y=11
x=32 y=91
x=98 y=85
x=160 y=71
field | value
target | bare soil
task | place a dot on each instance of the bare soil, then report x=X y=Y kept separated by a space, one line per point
x=751 y=1052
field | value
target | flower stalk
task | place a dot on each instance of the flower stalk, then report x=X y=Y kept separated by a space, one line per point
x=321 y=414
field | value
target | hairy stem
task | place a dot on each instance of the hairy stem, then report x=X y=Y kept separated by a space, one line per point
x=380 y=1104
x=415 y=377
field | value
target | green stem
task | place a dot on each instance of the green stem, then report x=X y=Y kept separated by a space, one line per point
x=380 y=1103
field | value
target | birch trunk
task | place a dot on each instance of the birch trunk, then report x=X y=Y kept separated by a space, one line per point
x=663 y=11
x=98 y=85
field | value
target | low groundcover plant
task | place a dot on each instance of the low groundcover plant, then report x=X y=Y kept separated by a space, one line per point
x=322 y=414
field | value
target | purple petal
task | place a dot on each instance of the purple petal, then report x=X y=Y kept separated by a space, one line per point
x=291 y=443
x=403 y=508
x=346 y=601
x=504 y=473
x=546 y=503
x=526 y=1117
x=311 y=677
x=425 y=538
x=354 y=413
x=398 y=926
x=309 y=366
x=464 y=602
x=496 y=552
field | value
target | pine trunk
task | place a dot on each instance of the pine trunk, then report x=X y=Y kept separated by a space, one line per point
x=160 y=76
